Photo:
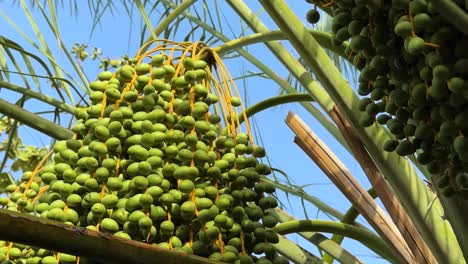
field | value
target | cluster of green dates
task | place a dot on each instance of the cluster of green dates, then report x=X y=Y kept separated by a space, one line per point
x=151 y=162
x=414 y=80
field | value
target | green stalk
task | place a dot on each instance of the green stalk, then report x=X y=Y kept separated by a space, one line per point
x=282 y=54
x=369 y=239
x=147 y=20
x=322 y=242
x=324 y=38
x=34 y=121
x=312 y=199
x=455 y=213
x=309 y=198
x=407 y=185
x=452 y=13
x=274 y=101
x=179 y=9
x=80 y=241
x=350 y=216
x=41 y=97
x=295 y=253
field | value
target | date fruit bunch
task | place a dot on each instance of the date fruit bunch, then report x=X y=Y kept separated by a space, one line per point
x=413 y=65
x=159 y=158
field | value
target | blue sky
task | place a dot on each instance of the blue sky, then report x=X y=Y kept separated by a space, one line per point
x=112 y=36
